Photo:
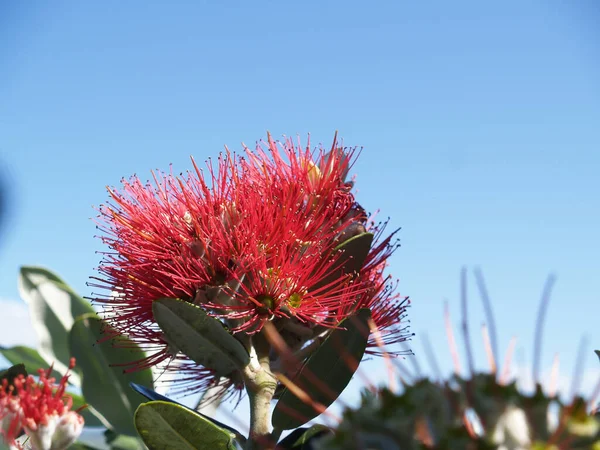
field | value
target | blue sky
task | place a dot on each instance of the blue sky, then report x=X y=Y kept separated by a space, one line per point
x=480 y=125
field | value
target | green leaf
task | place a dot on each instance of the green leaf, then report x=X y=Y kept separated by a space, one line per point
x=199 y=336
x=13 y=372
x=53 y=307
x=164 y=425
x=351 y=255
x=597 y=353
x=92 y=417
x=301 y=438
x=328 y=368
x=104 y=384
x=28 y=356
x=153 y=395
x=121 y=442
x=81 y=446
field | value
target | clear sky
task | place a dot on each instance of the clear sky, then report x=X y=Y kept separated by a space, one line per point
x=480 y=124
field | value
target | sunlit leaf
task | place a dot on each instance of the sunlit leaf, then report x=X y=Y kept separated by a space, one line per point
x=104 y=384
x=153 y=395
x=165 y=425
x=53 y=307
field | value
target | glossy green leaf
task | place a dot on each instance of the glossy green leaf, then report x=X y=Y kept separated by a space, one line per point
x=92 y=417
x=351 y=255
x=199 y=336
x=326 y=373
x=302 y=438
x=122 y=442
x=104 y=384
x=164 y=425
x=28 y=356
x=53 y=307
x=153 y=395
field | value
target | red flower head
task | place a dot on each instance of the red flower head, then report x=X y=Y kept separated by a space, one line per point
x=254 y=241
x=41 y=409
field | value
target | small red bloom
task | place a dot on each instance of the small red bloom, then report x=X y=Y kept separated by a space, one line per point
x=41 y=409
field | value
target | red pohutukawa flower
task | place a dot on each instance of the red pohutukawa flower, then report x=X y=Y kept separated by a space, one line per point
x=251 y=241
x=41 y=409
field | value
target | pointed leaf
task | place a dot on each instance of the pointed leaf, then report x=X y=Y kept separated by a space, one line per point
x=53 y=307
x=104 y=384
x=301 y=438
x=28 y=356
x=199 y=336
x=597 y=353
x=153 y=395
x=92 y=417
x=326 y=373
x=163 y=425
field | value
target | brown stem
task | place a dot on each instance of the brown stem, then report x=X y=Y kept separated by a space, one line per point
x=260 y=384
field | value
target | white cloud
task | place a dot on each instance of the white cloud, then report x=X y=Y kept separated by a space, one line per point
x=15 y=324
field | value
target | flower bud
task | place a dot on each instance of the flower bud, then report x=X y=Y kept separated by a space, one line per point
x=67 y=431
x=40 y=435
x=314 y=173
x=57 y=433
